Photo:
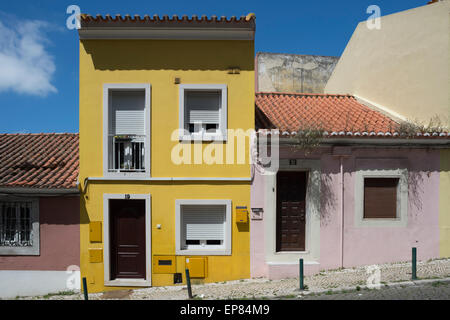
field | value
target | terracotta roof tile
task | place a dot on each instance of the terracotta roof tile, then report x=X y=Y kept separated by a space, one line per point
x=332 y=113
x=337 y=115
x=88 y=20
x=45 y=160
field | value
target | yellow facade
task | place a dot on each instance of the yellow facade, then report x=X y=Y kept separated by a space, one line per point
x=444 y=204
x=158 y=63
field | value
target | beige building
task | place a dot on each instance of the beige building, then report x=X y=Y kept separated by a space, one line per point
x=403 y=67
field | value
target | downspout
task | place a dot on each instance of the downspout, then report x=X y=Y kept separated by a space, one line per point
x=342 y=209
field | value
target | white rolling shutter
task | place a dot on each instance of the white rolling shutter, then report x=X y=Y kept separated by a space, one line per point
x=203 y=106
x=128 y=112
x=204 y=222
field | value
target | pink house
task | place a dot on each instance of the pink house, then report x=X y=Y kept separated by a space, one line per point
x=365 y=192
x=39 y=214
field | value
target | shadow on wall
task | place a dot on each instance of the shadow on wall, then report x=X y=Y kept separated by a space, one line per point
x=179 y=55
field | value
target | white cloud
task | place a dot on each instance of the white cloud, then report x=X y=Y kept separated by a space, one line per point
x=25 y=65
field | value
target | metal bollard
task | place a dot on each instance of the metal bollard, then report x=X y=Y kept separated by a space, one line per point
x=85 y=289
x=414 y=264
x=188 y=282
x=302 y=286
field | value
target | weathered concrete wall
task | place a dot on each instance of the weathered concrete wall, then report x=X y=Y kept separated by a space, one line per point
x=293 y=73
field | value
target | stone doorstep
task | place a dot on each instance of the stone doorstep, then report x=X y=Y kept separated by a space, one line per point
x=389 y=284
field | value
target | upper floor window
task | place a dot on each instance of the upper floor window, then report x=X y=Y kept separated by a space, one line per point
x=127 y=120
x=203 y=111
x=19 y=227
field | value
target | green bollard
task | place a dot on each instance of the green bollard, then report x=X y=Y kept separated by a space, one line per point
x=188 y=282
x=302 y=286
x=414 y=264
x=85 y=289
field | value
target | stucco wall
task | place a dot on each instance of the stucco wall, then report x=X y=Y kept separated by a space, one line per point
x=362 y=245
x=59 y=219
x=159 y=62
x=278 y=72
x=404 y=66
x=444 y=204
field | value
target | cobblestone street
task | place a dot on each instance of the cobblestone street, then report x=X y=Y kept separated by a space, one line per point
x=429 y=291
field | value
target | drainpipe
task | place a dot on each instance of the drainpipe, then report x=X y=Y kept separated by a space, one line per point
x=341 y=152
x=342 y=209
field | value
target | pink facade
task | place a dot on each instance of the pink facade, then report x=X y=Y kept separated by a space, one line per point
x=59 y=219
x=356 y=243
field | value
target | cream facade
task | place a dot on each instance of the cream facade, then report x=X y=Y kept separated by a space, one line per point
x=403 y=67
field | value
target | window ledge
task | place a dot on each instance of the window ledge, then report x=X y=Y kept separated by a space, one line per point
x=205 y=138
x=19 y=251
x=203 y=252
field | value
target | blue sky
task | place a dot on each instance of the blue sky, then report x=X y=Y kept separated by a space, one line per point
x=39 y=55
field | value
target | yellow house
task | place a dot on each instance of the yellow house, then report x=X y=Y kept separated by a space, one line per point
x=164 y=179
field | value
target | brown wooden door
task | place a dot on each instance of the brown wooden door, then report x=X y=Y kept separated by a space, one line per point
x=127 y=239
x=291 y=210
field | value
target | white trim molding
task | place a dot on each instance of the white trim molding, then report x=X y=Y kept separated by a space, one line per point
x=402 y=198
x=107 y=89
x=311 y=255
x=147 y=282
x=223 y=123
x=224 y=249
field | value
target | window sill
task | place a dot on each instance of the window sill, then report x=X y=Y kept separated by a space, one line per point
x=126 y=175
x=203 y=252
x=19 y=251
x=204 y=137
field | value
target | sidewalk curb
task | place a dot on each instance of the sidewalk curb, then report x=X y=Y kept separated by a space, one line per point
x=383 y=285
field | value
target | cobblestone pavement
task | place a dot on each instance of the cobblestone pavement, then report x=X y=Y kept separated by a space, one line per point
x=264 y=288
x=429 y=291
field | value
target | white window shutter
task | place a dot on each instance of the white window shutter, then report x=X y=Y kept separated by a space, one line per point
x=204 y=222
x=203 y=106
x=128 y=112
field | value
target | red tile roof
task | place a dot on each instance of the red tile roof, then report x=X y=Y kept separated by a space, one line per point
x=44 y=160
x=333 y=113
x=166 y=21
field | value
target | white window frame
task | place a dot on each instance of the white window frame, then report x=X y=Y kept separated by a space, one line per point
x=107 y=88
x=221 y=134
x=147 y=282
x=33 y=250
x=224 y=249
x=402 y=198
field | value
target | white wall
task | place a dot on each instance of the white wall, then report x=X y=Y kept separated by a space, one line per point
x=31 y=283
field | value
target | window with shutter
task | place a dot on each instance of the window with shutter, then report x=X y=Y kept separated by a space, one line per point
x=127 y=130
x=203 y=226
x=380 y=198
x=203 y=111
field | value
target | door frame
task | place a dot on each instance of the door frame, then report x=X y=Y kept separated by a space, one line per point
x=278 y=212
x=313 y=215
x=106 y=242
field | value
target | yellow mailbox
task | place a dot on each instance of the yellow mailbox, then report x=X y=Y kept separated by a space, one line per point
x=95 y=231
x=241 y=215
